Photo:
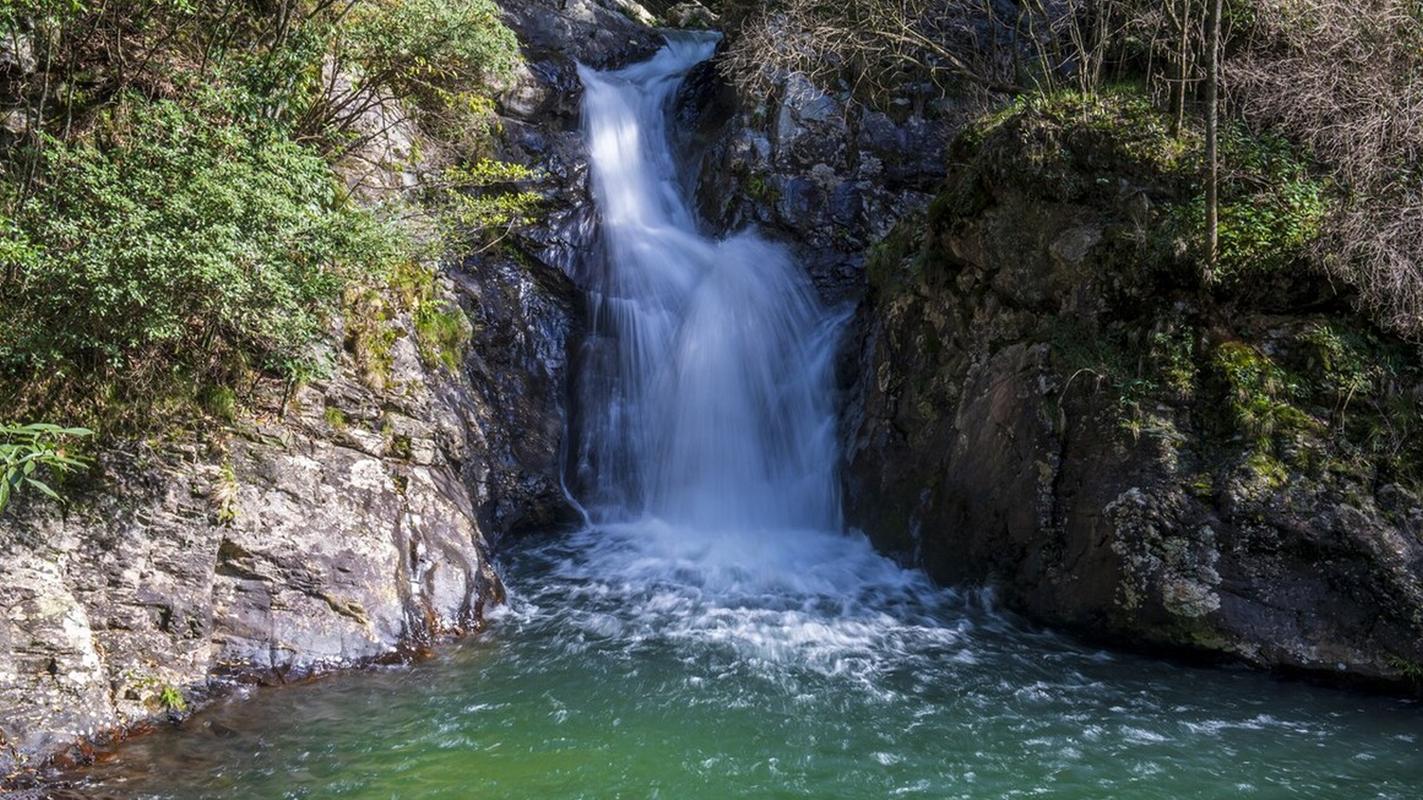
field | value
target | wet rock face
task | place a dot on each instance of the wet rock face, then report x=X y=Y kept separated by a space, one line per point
x=524 y=296
x=1040 y=408
x=830 y=176
x=541 y=116
x=528 y=317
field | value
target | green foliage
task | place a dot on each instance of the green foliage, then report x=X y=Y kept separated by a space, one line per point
x=1272 y=207
x=335 y=417
x=16 y=11
x=1085 y=355
x=373 y=314
x=476 y=203
x=167 y=240
x=224 y=494
x=443 y=334
x=1343 y=359
x=1059 y=144
x=1369 y=389
x=439 y=53
x=1262 y=396
x=370 y=332
x=153 y=250
x=760 y=189
x=418 y=43
x=1173 y=354
x=27 y=450
x=221 y=402
x=171 y=699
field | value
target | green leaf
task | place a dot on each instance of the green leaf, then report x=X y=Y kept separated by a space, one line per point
x=43 y=487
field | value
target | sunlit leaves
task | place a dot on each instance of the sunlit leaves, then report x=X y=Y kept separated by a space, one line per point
x=26 y=451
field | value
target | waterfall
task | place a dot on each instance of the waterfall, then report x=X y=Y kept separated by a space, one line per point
x=705 y=397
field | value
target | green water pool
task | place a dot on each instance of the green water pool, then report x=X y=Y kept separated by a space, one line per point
x=632 y=664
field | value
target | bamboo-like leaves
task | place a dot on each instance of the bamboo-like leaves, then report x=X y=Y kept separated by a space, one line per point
x=25 y=450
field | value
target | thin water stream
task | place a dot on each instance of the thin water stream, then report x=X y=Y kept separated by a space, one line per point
x=713 y=634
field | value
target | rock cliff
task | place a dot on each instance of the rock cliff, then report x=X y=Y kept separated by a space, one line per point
x=1052 y=400
x=828 y=175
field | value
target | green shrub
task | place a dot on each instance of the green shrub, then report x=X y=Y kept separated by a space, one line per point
x=423 y=42
x=170 y=240
x=1261 y=396
x=1272 y=208
x=440 y=53
x=27 y=450
x=1367 y=384
x=152 y=250
x=221 y=403
x=442 y=334
x=224 y=494
x=335 y=417
x=170 y=698
x=476 y=203
x=1117 y=128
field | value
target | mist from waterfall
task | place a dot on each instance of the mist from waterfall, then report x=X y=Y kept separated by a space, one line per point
x=706 y=393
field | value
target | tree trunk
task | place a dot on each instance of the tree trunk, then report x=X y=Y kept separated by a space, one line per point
x=1183 y=56
x=1212 y=138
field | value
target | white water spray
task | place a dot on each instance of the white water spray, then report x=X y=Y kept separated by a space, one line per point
x=705 y=446
x=707 y=397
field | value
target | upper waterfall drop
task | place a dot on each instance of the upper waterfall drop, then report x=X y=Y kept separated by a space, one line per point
x=706 y=394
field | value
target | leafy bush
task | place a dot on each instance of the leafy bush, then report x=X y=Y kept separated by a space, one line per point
x=171 y=240
x=419 y=43
x=1272 y=208
x=172 y=221
x=25 y=450
x=440 y=53
x=477 y=203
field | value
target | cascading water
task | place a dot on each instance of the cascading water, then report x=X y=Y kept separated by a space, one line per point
x=711 y=407
x=713 y=634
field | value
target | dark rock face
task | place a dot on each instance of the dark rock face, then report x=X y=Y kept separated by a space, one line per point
x=541 y=114
x=602 y=34
x=1042 y=407
x=525 y=298
x=830 y=176
x=527 y=317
